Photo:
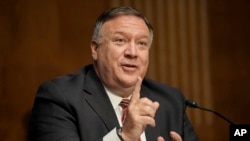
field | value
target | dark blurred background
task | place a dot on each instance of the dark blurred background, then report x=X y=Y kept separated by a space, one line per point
x=200 y=46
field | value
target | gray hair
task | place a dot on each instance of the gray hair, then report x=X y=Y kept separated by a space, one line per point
x=114 y=12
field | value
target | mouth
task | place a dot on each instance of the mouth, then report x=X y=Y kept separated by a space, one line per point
x=129 y=67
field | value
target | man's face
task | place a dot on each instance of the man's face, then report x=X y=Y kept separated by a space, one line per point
x=123 y=53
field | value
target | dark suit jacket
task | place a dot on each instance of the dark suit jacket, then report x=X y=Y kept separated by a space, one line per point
x=76 y=108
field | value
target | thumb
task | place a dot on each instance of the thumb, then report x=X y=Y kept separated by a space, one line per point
x=160 y=138
x=175 y=136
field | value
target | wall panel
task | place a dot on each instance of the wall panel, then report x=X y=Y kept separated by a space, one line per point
x=39 y=40
x=200 y=46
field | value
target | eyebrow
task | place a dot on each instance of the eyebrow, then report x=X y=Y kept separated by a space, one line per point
x=125 y=34
x=120 y=32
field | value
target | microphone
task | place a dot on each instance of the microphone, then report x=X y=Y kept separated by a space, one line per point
x=193 y=104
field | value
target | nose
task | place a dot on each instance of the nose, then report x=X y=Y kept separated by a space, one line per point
x=131 y=51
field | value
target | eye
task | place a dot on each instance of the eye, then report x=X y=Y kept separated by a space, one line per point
x=142 y=43
x=119 y=40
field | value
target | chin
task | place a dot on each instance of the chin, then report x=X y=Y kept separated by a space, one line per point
x=130 y=81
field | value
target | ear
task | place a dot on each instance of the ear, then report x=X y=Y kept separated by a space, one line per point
x=94 y=47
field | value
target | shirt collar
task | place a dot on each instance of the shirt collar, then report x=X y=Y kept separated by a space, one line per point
x=115 y=99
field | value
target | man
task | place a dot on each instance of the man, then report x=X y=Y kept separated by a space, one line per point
x=85 y=106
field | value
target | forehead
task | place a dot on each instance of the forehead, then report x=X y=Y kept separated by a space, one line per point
x=127 y=23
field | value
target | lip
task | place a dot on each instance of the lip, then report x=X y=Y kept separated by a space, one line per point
x=129 y=67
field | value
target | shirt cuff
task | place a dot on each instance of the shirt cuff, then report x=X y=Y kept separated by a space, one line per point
x=111 y=136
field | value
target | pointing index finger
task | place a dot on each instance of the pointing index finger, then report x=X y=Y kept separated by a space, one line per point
x=136 y=92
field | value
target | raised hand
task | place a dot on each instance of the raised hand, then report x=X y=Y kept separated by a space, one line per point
x=141 y=112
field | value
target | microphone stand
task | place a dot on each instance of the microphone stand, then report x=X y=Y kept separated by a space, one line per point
x=193 y=104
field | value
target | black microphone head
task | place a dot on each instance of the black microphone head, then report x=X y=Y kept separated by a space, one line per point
x=191 y=103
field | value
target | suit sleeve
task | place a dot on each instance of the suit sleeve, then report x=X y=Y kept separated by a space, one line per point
x=189 y=133
x=51 y=118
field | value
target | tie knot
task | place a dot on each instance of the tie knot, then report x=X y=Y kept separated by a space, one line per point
x=124 y=103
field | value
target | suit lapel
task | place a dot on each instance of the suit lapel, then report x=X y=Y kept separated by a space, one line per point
x=97 y=98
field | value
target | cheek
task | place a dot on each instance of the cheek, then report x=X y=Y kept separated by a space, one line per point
x=109 y=56
x=115 y=54
x=145 y=58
